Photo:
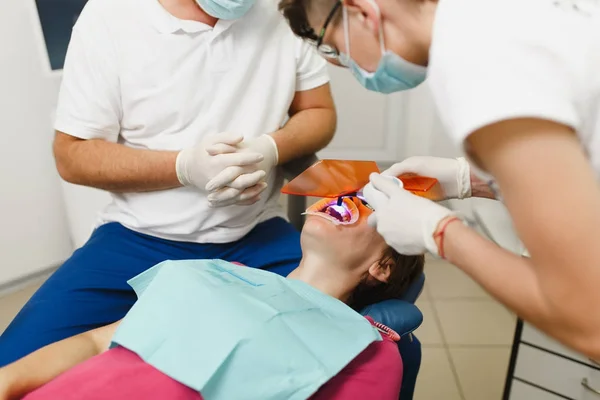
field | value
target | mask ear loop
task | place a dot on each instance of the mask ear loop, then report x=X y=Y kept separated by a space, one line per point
x=346 y=30
x=378 y=12
x=381 y=42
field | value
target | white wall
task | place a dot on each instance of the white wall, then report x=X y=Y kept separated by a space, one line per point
x=425 y=133
x=385 y=128
x=34 y=233
x=370 y=125
x=83 y=204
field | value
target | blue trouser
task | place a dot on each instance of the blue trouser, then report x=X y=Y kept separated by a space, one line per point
x=90 y=289
x=410 y=350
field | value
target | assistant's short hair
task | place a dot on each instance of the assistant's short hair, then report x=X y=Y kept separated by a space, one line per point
x=405 y=271
x=297 y=12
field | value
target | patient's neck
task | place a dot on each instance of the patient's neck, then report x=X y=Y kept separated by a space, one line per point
x=325 y=276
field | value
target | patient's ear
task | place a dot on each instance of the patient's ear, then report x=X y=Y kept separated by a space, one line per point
x=380 y=272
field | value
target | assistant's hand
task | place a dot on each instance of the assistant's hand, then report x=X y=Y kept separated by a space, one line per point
x=406 y=222
x=454 y=175
x=238 y=186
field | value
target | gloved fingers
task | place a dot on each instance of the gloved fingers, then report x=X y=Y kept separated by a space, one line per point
x=408 y=166
x=227 y=176
x=220 y=148
x=386 y=184
x=374 y=197
x=223 y=197
x=372 y=220
x=229 y=196
x=223 y=178
x=249 y=202
x=240 y=159
x=247 y=180
x=253 y=193
x=229 y=138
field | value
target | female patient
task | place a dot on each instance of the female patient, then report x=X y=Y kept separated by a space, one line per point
x=348 y=261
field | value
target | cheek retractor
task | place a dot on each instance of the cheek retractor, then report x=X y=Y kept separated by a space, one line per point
x=344 y=212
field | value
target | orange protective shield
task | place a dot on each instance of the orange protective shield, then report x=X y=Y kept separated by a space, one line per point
x=336 y=178
x=331 y=178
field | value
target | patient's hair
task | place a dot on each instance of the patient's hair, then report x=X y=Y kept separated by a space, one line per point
x=405 y=271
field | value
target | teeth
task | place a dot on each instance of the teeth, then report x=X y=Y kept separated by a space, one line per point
x=334 y=213
x=327 y=208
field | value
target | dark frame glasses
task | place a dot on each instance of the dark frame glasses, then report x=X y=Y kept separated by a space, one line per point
x=325 y=49
x=337 y=5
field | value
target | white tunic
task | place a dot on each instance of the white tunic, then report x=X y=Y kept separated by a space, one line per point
x=136 y=75
x=495 y=60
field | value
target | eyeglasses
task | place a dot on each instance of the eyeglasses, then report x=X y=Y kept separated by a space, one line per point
x=323 y=49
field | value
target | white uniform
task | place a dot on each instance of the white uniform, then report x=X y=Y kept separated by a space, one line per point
x=495 y=60
x=136 y=75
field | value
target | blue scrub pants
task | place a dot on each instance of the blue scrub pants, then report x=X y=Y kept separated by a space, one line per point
x=90 y=289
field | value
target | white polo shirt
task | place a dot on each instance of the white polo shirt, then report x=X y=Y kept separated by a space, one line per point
x=495 y=60
x=136 y=75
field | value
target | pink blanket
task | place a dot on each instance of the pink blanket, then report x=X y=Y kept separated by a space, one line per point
x=119 y=374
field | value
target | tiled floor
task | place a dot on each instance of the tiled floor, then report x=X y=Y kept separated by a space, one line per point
x=466 y=336
x=12 y=303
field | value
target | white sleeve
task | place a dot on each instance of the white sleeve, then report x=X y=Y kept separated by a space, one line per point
x=89 y=101
x=492 y=63
x=311 y=70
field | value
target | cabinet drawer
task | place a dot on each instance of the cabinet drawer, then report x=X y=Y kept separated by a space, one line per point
x=535 y=337
x=523 y=391
x=555 y=373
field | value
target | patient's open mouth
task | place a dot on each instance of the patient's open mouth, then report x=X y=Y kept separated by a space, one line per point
x=339 y=211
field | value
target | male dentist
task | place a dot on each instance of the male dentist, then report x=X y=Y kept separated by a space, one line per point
x=184 y=111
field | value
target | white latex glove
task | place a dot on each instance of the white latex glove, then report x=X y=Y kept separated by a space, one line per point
x=197 y=167
x=406 y=222
x=239 y=186
x=454 y=175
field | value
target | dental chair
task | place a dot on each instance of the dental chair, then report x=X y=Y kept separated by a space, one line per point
x=404 y=317
x=401 y=315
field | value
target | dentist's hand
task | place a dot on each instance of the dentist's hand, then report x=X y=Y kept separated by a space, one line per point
x=197 y=167
x=406 y=222
x=454 y=175
x=240 y=186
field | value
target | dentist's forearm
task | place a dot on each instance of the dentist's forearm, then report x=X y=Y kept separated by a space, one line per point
x=113 y=166
x=521 y=286
x=311 y=125
x=305 y=133
x=506 y=276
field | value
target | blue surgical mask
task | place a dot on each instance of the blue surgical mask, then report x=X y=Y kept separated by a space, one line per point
x=393 y=73
x=226 y=9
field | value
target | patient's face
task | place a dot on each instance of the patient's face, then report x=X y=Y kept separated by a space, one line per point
x=342 y=231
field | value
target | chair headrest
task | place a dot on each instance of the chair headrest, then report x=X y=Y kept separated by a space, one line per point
x=401 y=316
